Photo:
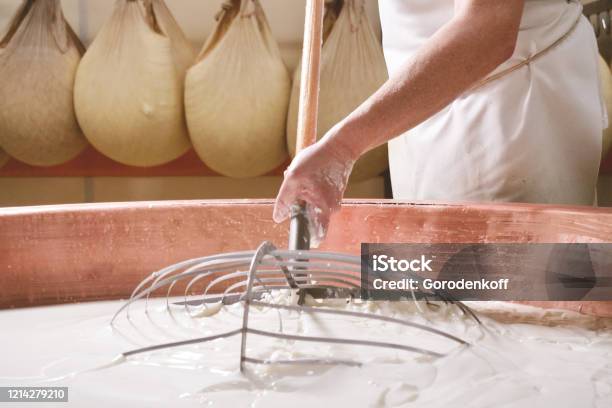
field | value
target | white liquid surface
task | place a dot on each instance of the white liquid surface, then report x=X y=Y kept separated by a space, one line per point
x=508 y=364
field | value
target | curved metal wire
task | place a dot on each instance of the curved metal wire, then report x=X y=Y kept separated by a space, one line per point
x=243 y=277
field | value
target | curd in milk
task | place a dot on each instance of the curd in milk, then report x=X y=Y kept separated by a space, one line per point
x=510 y=364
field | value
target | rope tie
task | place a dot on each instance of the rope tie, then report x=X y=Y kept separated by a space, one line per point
x=356 y=10
x=226 y=6
x=248 y=8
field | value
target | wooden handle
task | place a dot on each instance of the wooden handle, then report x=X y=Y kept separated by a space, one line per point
x=311 y=74
x=299 y=236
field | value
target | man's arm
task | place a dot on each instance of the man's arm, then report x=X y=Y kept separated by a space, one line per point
x=481 y=36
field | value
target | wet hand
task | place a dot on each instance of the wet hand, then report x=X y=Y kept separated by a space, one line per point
x=318 y=176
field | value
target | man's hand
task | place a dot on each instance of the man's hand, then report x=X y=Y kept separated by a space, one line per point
x=317 y=176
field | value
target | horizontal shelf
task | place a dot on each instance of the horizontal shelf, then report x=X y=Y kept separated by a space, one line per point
x=91 y=163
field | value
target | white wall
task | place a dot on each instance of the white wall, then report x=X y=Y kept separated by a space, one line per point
x=196 y=17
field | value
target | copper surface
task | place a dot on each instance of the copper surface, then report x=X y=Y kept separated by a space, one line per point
x=57 y=254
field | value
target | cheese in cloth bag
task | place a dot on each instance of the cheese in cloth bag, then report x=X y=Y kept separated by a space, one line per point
x=237 y=95
x=129 y=86
x=39 y=56
x=352 y=68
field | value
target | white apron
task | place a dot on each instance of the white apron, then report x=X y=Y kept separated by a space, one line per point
x=534 y=135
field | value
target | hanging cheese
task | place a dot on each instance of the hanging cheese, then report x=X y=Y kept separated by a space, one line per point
x=39 y=56
x=606 y=84
x=237 y=95
x=352 y=68
x=129 y=86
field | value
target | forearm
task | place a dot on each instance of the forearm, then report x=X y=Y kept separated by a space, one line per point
x=460 y=54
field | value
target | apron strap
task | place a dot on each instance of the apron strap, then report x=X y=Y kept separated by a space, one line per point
x=533 y=57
